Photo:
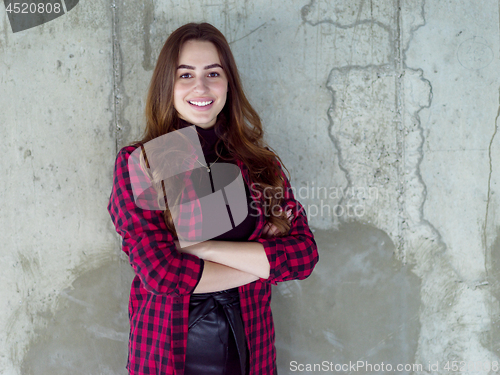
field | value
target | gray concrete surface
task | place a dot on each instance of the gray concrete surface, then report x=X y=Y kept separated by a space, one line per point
x=386 y=114
x=348 y=310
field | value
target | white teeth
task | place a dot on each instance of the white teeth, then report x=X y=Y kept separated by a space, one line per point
x=202 y=104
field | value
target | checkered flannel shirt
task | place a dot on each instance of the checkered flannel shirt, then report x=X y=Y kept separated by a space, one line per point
x=165 y=279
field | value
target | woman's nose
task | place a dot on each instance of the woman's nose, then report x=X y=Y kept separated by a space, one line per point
x=201 y=85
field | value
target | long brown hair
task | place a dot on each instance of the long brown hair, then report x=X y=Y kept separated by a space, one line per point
x=242 y=132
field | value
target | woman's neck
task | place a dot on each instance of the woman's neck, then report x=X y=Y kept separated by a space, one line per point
x=208 y=138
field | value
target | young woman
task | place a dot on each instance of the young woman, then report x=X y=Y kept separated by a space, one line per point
x=205 y=309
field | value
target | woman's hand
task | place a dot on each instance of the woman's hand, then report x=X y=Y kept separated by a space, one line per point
x=270 y=230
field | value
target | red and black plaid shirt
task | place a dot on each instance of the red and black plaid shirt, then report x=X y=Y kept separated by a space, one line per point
x=165 y=279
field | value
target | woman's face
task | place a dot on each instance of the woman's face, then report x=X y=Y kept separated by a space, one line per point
x=201 y=86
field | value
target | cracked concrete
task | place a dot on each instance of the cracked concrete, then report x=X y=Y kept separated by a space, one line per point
x=458 y=249
x=385 y=113
x=489 y=194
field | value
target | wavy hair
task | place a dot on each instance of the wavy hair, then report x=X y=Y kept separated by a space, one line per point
x=241 y=131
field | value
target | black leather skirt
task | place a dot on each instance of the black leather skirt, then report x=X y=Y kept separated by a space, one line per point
x=216 y=343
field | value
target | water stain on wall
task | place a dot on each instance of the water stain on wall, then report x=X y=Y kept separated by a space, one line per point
x=360 y=303
x=88 y=334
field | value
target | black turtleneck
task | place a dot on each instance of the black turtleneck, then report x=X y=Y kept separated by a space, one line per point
x=208 y=139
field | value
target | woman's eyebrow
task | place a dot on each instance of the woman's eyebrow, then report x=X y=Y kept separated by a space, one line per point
x=193 y=68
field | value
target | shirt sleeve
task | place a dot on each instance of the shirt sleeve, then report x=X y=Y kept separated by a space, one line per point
x=147 y=241
x=294 y=256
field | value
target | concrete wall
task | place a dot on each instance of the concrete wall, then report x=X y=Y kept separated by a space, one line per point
x=386 y=114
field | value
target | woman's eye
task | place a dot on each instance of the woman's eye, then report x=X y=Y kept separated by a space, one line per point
x=213 y=74
x=185 y=75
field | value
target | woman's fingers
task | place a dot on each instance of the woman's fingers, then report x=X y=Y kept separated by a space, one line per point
x=267 y=229
x=274 y=230
x=270 y=230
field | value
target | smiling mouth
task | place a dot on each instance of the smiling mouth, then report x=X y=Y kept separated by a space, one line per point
x=201 y=104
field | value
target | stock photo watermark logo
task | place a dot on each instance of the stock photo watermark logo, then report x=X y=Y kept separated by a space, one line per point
x=26 y=14
x=351 y=201
x=204 y=200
